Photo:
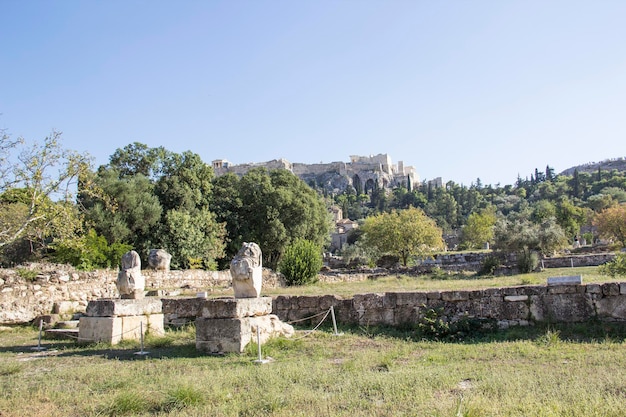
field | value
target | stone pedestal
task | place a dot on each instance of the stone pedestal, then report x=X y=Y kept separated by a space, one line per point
x=111 y=321
x=228 y=325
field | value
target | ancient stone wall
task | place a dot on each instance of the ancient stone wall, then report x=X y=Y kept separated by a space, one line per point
x=503 y=307
x=59 y=289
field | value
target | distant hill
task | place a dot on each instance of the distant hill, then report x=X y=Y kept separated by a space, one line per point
x=592 y=167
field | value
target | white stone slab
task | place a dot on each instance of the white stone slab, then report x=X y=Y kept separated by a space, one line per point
x=516 y=298
x=566 y=280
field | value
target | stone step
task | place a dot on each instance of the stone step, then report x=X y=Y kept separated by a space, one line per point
x=68 y=324
x=62 y=333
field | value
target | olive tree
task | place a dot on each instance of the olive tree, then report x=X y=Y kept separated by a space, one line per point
x=404 y=233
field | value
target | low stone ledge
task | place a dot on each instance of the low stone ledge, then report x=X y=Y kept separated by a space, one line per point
x=224 y=308
x=566 y=280
x=123 y=308
x=514 y=298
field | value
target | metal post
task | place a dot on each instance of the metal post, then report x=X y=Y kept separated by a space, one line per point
x=39 y=347
x=258 y=342
x=332 y=315
x=571 y=261
x=141 y=352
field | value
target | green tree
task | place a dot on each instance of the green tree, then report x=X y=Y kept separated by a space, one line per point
x=273 y=209
x=122 y=209
x=611 y=223
x=403 y=233
x=192 y=239
x=138 y=158
x=301 y=262
x=479 y=228
x=45 y=174
x=185 y=183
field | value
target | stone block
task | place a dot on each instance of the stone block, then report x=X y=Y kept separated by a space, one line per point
x=115 y=329
x=413 y=299
x=183 y=307
x=622 y=288
x=455 y=295
x=594 y=289
x=433 y=295
x=120 y=308
x=233 y=335
x=610 y=288
x=566 y=280
x=222 y=308
x=611 y=307
x=514 y=298
x=100 y=329
x=565 y=308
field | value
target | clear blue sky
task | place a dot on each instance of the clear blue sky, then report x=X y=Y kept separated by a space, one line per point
x=458 y=89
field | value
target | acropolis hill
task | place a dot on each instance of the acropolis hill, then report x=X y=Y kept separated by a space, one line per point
x=362 y=172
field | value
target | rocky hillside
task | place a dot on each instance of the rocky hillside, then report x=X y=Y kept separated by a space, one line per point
x=592 y=167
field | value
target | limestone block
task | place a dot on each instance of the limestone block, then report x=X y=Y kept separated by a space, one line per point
x=566 y=308
x=517 y=310
x=455 y=295
x=183 y=307
x=100 y=329
x=236 y=307
x=413 y=299
x=594 y=289
x=433 y=295
x=369 y=301
x=513 y=298
x=114 y=329
x=612 y=307
x=115 y=307
x=566 y=280
x=222 y=335
x=610 y=288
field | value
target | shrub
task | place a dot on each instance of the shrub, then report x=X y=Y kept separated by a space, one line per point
x=616 y=267
x=434 y=325
x=90 y=251
x=527 y=261
x=301 y=262
x=489 y=265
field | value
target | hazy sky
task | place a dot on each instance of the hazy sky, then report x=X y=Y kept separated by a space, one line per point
x=457 y=89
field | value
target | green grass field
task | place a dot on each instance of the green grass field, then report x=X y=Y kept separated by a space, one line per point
x=569 y=370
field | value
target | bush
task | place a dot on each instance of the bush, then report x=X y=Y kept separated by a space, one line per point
x=301 y=262
x=90 y=251
x=527 y=261
x=489 y=265
x=616 y=267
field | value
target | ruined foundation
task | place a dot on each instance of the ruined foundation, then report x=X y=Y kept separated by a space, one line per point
x=228 y=325
x=114 y=320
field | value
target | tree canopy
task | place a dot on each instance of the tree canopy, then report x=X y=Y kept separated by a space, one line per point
x=403 y=233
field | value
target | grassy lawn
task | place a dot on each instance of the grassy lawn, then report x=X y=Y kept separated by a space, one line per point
x=440 y=281
x=573 y=370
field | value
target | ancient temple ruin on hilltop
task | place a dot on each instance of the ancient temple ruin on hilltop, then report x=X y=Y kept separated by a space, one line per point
x=364 y=173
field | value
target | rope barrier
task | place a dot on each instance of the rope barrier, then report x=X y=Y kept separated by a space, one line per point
x=163 y=333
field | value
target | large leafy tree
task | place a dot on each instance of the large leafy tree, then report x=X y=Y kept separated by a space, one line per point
x=37 y=187
x=479 y=229
x=403 y=233
x=611 y=223
x=272 y=209
x=123 y=209
x=185 y=183
x=193 y=239
x=138 y=158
